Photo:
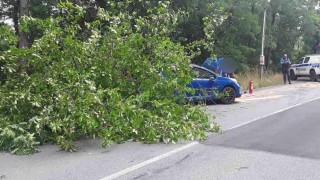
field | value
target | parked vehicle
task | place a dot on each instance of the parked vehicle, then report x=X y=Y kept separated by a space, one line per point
x=307 y=66
x=210 y=86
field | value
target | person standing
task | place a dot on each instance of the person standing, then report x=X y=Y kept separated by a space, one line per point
x=285 y=65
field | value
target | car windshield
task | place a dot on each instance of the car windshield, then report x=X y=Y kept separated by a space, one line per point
x=300 y=61
x=202 y=73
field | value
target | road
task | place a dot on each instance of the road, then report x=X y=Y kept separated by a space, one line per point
x=285 y=145
x=271 y=134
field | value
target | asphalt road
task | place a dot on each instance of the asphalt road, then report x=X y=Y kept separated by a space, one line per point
x=295 y=132
x=258 y=142
x=285 y=145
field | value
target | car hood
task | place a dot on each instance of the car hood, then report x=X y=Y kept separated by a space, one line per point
x=227 y=79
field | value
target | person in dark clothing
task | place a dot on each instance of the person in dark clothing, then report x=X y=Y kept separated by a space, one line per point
x=285 y=65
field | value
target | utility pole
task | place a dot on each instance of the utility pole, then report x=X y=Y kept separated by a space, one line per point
x=262 y=57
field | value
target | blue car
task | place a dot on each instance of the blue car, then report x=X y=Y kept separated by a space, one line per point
x=209 y=86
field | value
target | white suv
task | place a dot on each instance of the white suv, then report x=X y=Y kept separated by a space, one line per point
x=307 y=66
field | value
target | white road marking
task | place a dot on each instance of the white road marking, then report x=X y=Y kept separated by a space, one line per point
x=165 y=155
x=150 y=161
x=276 y=112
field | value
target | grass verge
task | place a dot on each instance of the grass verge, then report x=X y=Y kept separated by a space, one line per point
x=269 y=79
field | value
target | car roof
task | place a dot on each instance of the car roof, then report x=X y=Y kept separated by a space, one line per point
x=312 y=55
x=194 y=65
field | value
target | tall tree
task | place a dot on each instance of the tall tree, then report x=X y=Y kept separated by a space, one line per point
x=294 y=25
x=237 y=31
x=23 y=36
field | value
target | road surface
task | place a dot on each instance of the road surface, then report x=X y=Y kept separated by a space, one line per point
x=285 y=145
x=271 y=134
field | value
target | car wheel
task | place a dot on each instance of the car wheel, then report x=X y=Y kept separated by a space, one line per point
x=228 y=95
x=313 y=76
x=293 y=75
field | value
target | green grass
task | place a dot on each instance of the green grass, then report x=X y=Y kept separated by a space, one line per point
x=269 y=79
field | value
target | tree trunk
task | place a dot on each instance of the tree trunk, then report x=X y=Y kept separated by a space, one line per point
x=23 y=37
x=78 y=2
x=15 y=17
x=102 y=4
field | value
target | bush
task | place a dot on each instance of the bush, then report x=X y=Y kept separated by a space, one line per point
x=107 y=79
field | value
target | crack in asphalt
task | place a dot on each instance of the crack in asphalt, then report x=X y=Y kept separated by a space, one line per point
x=140 y=176
x=160 y=170
x=241 y=168
x=183 y=159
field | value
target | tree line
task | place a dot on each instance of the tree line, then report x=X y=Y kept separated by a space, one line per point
x=117 y=69
x=228 y=27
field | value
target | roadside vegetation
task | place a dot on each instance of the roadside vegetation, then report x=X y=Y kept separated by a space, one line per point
x=117 y=70
x=269 y=79
x=101 y=80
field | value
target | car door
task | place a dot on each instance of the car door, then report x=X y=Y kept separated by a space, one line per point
x=305 y=69
x=299 y=67
x=204 y=83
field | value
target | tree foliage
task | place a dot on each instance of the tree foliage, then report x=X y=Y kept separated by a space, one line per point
x=122 y=83
x=224 y=27
x=234 y=29
x=117 y=70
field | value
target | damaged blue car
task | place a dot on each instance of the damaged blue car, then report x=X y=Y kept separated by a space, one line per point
x=209 y=86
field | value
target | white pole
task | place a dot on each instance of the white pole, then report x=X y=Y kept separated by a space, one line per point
x=263 y=31
x=262 y=57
